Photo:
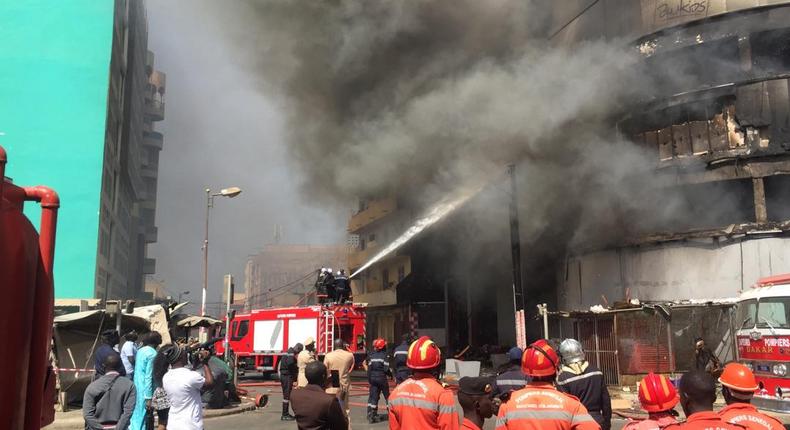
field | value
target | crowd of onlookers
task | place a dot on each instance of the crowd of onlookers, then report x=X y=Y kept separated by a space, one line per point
x=141 y=385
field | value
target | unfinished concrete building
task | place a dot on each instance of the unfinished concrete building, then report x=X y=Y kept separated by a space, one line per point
x=720 y=137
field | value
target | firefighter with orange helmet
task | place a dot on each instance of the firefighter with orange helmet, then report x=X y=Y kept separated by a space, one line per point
x=378 y=369
x=658 y=397
x=738 y=387
x=539 y=405
x=421 y=402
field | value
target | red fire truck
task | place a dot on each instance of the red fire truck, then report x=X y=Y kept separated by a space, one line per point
x=261 y=337
x=763 y=333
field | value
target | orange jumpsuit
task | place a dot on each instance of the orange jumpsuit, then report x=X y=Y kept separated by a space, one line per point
x=655 y=422
x=748 y=416
x=704 y=421
x=540 y=406
x=422 y=403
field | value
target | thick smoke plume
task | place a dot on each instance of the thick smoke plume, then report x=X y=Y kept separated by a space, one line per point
x=383 y=96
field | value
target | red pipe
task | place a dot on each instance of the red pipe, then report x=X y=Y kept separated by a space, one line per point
x=50 y=202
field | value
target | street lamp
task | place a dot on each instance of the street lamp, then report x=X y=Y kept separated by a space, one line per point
x=225 y=192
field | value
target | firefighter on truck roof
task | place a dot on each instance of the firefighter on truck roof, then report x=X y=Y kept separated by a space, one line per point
x=539 y=405
x=421 y=402
x=738 y=387
x=658 y=397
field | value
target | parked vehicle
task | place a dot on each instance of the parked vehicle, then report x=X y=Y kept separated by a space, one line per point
x=763 y=336
x=259 y=338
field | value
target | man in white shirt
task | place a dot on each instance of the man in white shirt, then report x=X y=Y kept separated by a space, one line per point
x=128 y=352
x=183 y=386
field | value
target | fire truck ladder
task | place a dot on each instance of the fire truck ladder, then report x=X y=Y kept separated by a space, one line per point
x=329 y=329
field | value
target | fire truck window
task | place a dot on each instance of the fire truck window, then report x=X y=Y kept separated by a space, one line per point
x=747 y=314
x=244 y=327
x=773 y=312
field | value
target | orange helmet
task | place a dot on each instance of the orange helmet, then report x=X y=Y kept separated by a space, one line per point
x=539 y=359
x=738 y=377
x=423 y=354
x=657 y=394
x=379 y=344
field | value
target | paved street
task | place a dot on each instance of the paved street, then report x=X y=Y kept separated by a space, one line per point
x=269 y=417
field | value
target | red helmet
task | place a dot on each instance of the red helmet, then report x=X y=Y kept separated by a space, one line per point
x=738 y=377
x=656 y=393
x=539 y=359
x=423 y=354
x=379 y=344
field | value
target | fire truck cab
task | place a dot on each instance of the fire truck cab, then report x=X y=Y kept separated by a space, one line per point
x=261 y=337
x=763 y=335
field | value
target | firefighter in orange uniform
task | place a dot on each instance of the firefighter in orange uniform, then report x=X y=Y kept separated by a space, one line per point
x=658 y=397
x=539 y=405
x=738 y=387
x=697 y=394
x=421 y=402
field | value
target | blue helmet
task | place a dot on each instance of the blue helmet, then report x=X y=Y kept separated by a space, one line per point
x=515 y=354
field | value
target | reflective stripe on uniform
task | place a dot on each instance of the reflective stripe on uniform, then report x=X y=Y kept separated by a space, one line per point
x=520 y=382
x=583 y=418
x=580 y=377
x=422 y=404
x=377 y=360
x=539 y=415
x=401 y=353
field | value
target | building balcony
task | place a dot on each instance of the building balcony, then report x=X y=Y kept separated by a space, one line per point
x=153 y=139
x=374 y=211
x=386 y=297
x=151 y=234
x=149 y=266
x=154 y=109
x=360 y=257
x=149 y=172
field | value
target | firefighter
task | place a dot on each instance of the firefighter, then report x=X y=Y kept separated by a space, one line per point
x=512 y=378
x=539 y=405
x=738 y=387
x=401 y=352
x=378 y=369
x=697 y=394
x=342 y=288
x=329 y=286
x=305 y=357
x=658 y=397
x=421 y=402
x=584 y=381
x=320 y=286
x=288 y=374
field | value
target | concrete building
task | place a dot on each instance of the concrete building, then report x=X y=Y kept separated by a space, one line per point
x=87 y=98
x=284 y=275
x=720 y=141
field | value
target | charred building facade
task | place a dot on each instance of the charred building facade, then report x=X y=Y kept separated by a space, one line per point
x=717 y=126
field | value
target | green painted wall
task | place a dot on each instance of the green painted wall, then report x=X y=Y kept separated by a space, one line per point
x=54 y=79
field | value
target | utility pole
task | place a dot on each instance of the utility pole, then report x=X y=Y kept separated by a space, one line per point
x=515 y=243
x=229 y=289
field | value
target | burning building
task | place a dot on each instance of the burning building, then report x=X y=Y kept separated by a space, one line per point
x=715 y=127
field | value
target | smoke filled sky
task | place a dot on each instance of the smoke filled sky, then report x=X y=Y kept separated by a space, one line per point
x=221 y=131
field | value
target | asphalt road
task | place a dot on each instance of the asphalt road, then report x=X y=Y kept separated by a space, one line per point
x=269 y=417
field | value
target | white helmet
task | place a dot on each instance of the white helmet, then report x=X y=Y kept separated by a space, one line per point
x=329 y=269
x=571 y=351
x=338 y=273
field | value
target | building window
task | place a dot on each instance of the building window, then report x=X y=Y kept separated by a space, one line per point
x=372 y=237
x=362 y=244
x=385 y=278
x=401 y=273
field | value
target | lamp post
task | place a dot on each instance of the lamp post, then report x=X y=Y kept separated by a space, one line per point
x=225 y=192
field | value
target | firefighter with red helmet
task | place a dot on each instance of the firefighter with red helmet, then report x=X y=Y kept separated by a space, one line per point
x=539 y=405
x=738 y=387
x=421 y=402
x=658 y=397
x=378 y=369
